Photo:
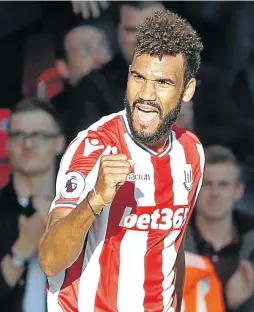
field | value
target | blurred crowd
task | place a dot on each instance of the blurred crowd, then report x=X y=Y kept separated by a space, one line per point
x=64 y=66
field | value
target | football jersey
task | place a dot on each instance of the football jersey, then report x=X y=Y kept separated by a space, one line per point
x=202 y=288
x=128 y=259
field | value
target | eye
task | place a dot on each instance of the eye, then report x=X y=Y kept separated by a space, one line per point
x=137 y=77
x=16 y=134
x=163 y=84
x=224 y=184
x=37 y=136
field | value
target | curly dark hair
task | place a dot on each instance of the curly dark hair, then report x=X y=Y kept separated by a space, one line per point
x=166 y=33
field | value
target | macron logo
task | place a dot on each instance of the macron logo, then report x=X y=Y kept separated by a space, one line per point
x=138 y=177
x=91 y=146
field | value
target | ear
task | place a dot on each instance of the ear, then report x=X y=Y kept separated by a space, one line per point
x=189 y=90
x=62 y=68
x=60 y=144
x=239 y=191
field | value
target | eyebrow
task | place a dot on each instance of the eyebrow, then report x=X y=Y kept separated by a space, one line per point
x=169 y=80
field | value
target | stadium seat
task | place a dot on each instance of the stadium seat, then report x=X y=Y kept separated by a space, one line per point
x=49 y=84
x=5 y=167
x=4 y=117
x=5 y=170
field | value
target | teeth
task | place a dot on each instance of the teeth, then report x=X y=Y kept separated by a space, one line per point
x=146 y=110
x=146 y=116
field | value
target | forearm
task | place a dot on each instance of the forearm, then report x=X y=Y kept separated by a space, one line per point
x=63 y=242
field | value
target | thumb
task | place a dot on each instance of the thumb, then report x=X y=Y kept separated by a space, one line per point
x=245 y=265
x=131 y=162
x=246 y=270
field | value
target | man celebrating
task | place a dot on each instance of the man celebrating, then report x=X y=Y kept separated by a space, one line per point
x=115 y=241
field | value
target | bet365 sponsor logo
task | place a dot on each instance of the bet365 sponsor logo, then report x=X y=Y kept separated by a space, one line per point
x=160 y=219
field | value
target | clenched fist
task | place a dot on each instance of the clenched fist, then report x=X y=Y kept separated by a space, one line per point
x=112 y=174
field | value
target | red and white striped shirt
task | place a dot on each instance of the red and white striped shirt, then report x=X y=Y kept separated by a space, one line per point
x=128 y=260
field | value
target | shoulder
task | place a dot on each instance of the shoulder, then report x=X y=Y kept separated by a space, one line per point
x=185 y=136
x=105 y=131
x=190 y=143
x=107 y=127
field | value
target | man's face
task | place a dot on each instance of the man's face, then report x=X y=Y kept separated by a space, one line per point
x=220 y=190
x=131 y=18
x=33 y=142
x=154 y=92
x=86 y=48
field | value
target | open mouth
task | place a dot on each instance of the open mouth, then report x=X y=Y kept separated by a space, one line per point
x=146 y=113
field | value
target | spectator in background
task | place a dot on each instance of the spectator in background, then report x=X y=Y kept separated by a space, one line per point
x=224 y=234
x=132 y=14
x=85 y=48
x=85 y=96
x=34 y=142
x=186 y=117
x=87 y=8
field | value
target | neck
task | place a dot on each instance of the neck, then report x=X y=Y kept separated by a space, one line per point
x=38 y=184
x=160 y=145
x=219 y=233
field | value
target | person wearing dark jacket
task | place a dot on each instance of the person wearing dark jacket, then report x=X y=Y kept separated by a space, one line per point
x=223 y=234
x=132 y=14
x=86 y=96
x=34 y=143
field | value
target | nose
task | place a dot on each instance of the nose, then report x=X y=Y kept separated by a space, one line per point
x=147 y=92
x=28 y=143
x=214 y=190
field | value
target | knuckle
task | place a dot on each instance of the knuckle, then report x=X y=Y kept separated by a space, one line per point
x=102 y=159
x=128 y=165
x=104 y=164
x=124 y=157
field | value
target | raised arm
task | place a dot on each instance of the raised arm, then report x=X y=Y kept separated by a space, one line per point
x=67 y=227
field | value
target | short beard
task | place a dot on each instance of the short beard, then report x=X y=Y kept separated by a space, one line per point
x=163 y=129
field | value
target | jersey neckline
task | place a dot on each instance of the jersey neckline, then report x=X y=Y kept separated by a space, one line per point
x=144 y=147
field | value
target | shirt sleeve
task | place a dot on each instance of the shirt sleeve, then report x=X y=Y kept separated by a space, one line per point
x=78 y=170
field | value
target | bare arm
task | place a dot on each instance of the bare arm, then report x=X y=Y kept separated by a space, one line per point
x=66 y=230
x=65 y=234
x=26 y=245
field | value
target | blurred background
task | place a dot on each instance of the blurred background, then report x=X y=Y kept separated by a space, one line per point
x=63 y=66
